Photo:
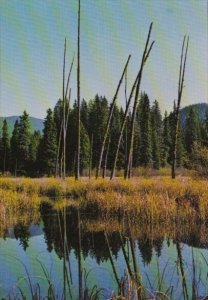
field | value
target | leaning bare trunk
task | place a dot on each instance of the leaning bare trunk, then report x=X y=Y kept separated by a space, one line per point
x=110 y=118
x=138 y=78
x=64 y=115
x=130 y=149
x=180 y=90
x=77 y=173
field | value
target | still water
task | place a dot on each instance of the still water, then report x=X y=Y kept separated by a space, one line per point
x=71 y=255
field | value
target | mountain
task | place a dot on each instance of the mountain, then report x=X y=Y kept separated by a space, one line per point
x=36 y=124
x=200 y=108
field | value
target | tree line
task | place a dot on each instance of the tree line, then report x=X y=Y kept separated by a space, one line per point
x=38 y=154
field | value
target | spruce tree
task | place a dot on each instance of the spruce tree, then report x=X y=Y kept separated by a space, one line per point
x=192 y=131
x=145 y=147
x=34 y=146
x=84 y=113
x=204 y=130
x=137 y=137
x=24 y=142
x=98 y=114
x=5 y=148
x=166 y=141
x=156 y=130
x=84 y=150
x=115 y=127
x=71 y=138
x=48 y=145
x=15 y=148
x=180 y=154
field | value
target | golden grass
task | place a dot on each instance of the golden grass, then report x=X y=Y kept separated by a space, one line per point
x=150 y=198
x=17 y=207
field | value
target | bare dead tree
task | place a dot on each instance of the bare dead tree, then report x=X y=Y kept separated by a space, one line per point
x=77 y=172
x=62 y=123
x=145 y=55
x=112 y=106
x=177 y=109
x=126 y=113
x=64 y=115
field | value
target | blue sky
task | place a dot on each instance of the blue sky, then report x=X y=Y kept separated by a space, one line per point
x=32 y=37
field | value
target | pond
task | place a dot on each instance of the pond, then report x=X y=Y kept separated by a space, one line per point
x=70 y=254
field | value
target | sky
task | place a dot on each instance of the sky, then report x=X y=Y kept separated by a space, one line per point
x=32 y=37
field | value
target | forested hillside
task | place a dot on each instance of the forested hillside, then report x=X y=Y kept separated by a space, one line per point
x=33 y=153
x=36 y=124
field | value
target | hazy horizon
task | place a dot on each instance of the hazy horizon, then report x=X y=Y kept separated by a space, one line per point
x=32 y=41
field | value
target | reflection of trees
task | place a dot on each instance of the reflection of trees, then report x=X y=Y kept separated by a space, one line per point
x=145 y=247
x=22 y=233
x=93 y=242
x=158 y=244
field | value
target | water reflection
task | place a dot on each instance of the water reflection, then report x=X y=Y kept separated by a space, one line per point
x=128 y=247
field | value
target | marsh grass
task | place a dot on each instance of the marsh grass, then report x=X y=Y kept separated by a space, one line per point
x=150 y=199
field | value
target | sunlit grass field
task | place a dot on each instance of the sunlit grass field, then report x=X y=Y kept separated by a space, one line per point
x=150 y=198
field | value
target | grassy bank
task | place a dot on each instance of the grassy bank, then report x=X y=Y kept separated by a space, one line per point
x=149 y=198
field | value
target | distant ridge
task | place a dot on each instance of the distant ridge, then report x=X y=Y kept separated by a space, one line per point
x=36 y=124
x=200 y=108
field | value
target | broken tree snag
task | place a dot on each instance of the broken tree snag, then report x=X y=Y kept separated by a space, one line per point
x=127 y=171
x=77 y=171
x=64 y=115
x=112 y=106
x=126 y=112
x=177 y=110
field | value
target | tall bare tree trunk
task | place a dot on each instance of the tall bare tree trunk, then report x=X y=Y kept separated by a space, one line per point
x=110 y=118
x=125 y=115
x=145 y=55
x=62 y=126
x=64 y=115
x=77 y=173
x=177 y=110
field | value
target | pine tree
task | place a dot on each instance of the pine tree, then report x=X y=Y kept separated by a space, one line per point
x=5 y=148
x=15 y=148
x=24 y=142
x=84 y=150
x=113 y=136
x=84 y=113
x=180 y=151
x=145 y=147
x=192 y=131
x=34 y=146
x=48 y=146
x=98 y=114
x=204 y=130
x=71 y=139
x=137 y=137
x=156 y=130
x=166 y=141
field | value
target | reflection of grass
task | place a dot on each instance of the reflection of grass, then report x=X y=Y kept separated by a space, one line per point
x=149 y=198
x=17 y=207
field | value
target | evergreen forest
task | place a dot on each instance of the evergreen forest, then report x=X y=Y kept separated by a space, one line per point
x=36 y=154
